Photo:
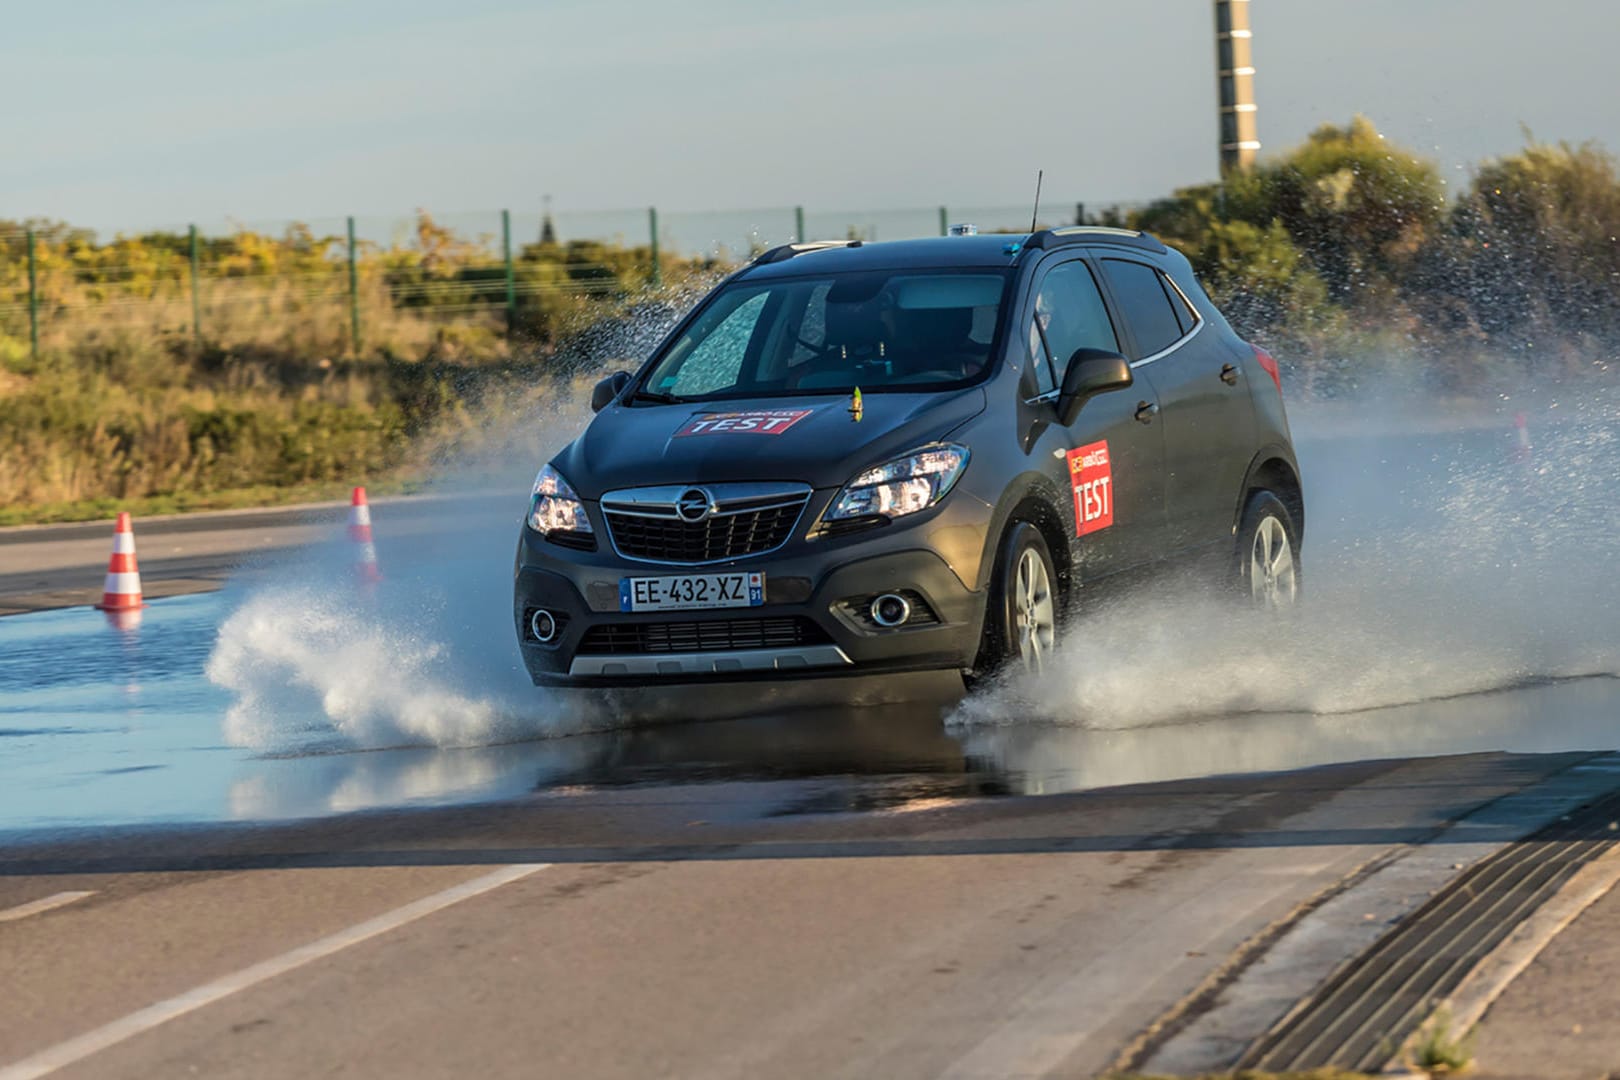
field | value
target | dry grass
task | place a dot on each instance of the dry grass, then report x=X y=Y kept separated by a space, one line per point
x=126 y=405
x=1439 y=1051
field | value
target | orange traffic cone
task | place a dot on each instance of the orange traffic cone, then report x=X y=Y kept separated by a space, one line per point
x=123 y=589
x=1522 y=450
x=365 y=552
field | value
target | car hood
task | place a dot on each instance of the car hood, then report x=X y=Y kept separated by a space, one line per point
x=815 y=440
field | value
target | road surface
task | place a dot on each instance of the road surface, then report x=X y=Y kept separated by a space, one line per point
x=288 y=828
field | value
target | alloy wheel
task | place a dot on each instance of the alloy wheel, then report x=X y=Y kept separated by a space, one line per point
x=1034 y=612
x=1273 y=578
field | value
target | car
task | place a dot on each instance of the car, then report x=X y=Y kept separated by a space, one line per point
x=861 y=458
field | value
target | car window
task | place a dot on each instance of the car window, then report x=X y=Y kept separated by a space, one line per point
x=1185 y=316
x=717 y=358
x=876 y=330
x=1144 y=304
x=807 y=326
x=1040 y=360
x=1069 y=315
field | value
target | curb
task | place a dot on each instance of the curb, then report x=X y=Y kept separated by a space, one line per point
x=1466 y=1006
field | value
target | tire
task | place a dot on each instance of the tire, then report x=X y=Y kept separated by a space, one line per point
x=1021 y=617
x=1266 y=570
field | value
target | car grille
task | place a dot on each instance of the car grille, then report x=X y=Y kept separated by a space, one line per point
x=736 y=527
x=579 y=541
x=715 y=635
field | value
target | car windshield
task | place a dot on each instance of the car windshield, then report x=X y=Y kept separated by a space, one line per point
x=878 y=330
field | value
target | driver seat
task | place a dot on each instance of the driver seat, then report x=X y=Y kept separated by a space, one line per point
x=854 y=333
x=939 y=340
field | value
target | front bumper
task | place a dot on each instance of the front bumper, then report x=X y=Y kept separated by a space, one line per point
x=808 y=586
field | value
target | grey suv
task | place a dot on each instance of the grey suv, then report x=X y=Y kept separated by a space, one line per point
x=856 y=458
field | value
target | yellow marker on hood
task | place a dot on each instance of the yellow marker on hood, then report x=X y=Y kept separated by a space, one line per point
x=855 y=406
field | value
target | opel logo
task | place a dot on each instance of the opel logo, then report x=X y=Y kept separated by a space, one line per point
x=693 y=505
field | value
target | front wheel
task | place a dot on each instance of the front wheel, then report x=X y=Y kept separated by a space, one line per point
x=1267 y=556
x=1021 y=623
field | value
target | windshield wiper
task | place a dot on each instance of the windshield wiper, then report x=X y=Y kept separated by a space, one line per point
x=657 y=396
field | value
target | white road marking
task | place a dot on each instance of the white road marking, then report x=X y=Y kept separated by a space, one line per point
x=76 y=1049
x=49 y=903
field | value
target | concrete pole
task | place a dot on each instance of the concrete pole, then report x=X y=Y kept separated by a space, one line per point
x=1234 y=74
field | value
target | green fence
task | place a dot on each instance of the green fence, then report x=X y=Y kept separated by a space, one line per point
x=359 y=282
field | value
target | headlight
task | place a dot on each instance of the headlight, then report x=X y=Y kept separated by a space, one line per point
x=554 y=507
x=902 y=486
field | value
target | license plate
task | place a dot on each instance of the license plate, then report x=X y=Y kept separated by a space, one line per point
x=689 y=592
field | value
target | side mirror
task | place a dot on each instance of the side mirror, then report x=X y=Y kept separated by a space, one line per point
x=608 y=389
x=1090 y=372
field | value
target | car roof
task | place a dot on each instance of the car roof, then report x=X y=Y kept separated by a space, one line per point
x=953 y=252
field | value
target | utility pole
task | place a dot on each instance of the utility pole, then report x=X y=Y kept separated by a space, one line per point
x=1234 y=74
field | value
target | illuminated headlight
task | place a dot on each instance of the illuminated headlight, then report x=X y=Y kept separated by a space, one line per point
x=902 y=486
x=554 y=507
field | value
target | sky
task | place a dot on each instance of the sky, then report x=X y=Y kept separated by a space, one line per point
x=133 y=115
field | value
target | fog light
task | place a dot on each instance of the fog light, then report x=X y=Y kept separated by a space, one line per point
x=890 y=610
x=543 y=625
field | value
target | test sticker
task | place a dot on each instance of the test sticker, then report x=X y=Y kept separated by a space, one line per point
x=1092 y=476
x=752 y=422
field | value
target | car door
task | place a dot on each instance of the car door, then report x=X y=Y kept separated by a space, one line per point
x=1208 y=419
x=1111 y=459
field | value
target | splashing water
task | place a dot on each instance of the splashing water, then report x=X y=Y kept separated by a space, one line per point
x=1441 y=558
x=1438 y=563
x=429 y=655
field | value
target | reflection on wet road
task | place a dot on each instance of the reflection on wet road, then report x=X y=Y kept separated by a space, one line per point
x=1432 y=582
x=101 y=727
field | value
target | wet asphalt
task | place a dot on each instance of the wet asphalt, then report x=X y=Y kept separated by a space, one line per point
x=768 y=888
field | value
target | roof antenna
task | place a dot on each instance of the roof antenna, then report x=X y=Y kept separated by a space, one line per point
x=1037 y=211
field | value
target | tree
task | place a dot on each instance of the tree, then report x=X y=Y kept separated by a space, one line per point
x=1536 y=242
x=1360 y=208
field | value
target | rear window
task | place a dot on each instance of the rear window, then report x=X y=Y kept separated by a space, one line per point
x=1184 y=314
x=1147 y=309
x=878 y=330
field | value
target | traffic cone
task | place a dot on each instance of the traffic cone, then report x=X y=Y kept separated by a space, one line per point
x=1523 y=450
x=123 y=589
x=365 y=552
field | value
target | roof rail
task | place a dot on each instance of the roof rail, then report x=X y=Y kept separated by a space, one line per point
x=1074 y=234
x=787 y=251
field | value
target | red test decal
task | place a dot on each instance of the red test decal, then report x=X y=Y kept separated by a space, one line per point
x=751 y=422
x=1092 y=476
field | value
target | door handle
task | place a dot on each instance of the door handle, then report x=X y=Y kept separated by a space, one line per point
x=1229 y=375
x=1146 y=411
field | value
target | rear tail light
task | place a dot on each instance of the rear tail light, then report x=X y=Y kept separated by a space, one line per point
x=1269 y=363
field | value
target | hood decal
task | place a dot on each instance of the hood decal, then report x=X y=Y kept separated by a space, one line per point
x=743 y=422
x=809 y=440
x=856 y=408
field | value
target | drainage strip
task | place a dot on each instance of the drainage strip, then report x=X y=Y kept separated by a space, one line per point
x=1361 y=1016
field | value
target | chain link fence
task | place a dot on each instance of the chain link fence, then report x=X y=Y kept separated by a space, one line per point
x=381 y=284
